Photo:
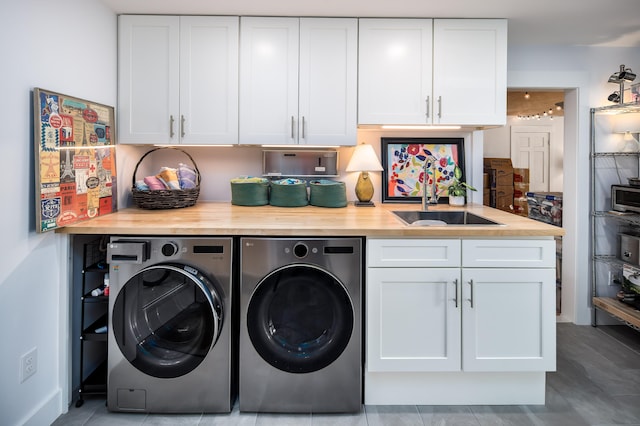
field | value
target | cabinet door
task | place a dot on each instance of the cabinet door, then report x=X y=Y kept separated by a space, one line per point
x=413 y=319
x=508 y=319
x=148 y=79
x=209 y=80
x=328 y=81
x=268 y=80
x=504 y=253
x=394 y=71
x=470 y=71
x=418 y=252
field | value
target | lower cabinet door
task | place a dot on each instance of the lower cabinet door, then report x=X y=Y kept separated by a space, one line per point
x=413 y=319
x=508 y=319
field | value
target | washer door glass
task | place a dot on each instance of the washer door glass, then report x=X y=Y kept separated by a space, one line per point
x=165 y=320
x=300 y=318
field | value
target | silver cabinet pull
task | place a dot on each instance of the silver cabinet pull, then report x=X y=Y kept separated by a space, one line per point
x=303 y=132
x=171 y=120
x=439 y=106
x=292 y=127
x=182 y=126
x=428 y=111
x=455 y=283
x=471 y=293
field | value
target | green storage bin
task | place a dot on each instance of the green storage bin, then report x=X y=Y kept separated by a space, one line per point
x=249 y=191
x=288 y=193
x=327 y=193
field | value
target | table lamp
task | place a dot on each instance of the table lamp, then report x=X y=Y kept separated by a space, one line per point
x=628 y=124
x=364 y=160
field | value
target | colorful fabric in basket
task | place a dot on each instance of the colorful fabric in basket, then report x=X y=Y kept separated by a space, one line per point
x=186 y=176
x=289 y=181
x=141 y=186
x=154 y=183
x=249 y=179
x=169 y=176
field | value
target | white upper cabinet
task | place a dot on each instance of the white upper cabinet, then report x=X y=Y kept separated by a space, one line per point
x=470 y=71
x=178 y=80
x=424 y=71
x=394 y=71
x=298 y=81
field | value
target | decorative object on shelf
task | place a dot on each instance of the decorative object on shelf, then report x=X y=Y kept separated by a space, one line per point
x=620 y=77
x=628 y=124
x=364 y=160
x=403 y=162
x=458 y=189
x=160 y=197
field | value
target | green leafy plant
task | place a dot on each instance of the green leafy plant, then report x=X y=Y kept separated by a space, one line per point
x=459 y=188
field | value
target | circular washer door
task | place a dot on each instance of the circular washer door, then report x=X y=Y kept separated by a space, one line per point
x=166 y=318
x=300 y=318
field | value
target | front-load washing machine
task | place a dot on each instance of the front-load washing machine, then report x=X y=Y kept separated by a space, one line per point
x=300 y=325
x=170 y=343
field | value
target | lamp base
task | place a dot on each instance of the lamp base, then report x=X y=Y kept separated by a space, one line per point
x=363 y=204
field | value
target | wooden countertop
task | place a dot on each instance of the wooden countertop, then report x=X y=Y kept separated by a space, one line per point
x=223 y=218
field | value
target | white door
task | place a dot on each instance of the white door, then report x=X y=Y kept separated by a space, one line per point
x=269 y=80
x=209 y=80
x=530 y=149
x=328 y=81
x=413 y=319
x=470 y=71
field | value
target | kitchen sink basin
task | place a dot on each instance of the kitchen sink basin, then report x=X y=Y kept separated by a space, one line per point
x=442 y=218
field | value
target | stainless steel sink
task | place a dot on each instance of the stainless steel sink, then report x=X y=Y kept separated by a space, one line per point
x=442 y=218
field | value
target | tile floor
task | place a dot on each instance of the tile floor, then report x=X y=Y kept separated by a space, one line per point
x=597 y=384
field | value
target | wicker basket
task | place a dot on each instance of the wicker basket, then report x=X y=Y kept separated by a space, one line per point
x=288 y=193
x=165 y=198
x=327 y=193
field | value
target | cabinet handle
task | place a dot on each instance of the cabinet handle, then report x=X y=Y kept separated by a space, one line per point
x=471 y=293
x=455 y=283
x=439 y=107
x=171 y=120
x=303 y=132
x=292 y=127
x=182 y=126
x=428 y=112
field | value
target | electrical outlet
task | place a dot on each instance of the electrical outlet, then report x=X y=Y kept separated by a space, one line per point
x=28 y=364
x=613 y=279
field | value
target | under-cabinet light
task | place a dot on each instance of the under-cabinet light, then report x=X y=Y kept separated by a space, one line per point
x=420 y=127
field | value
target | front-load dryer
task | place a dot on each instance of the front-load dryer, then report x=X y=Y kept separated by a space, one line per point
x=170 y=344
x=300 y=325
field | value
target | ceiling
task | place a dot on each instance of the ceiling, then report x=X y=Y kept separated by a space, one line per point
x=539 y=102
x=540 y=22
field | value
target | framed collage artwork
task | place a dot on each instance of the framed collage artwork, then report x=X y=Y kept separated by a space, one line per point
x=75 y=159
x=403 y=160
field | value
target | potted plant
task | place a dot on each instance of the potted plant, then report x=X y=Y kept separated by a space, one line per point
x=458 y=189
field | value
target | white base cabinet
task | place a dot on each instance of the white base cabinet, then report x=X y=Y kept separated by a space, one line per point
x=478 y=310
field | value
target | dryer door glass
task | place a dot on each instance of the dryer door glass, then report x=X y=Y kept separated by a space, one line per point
x=300 y=318
x=165 y=320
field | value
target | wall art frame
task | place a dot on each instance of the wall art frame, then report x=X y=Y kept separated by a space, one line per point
x=403 y=166
x=75 y=159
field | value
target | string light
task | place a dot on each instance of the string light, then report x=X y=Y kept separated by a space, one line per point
x=527 y=95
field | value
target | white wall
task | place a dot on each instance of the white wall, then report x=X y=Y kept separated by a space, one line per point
x=68 y=46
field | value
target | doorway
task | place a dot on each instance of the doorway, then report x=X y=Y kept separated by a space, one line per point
x=530 y=150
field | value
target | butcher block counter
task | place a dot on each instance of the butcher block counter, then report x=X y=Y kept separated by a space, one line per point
x=223 y=218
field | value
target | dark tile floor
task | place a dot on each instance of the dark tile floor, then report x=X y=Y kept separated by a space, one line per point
x=597 y=383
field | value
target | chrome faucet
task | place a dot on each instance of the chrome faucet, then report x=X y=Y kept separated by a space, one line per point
x=426 y=199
